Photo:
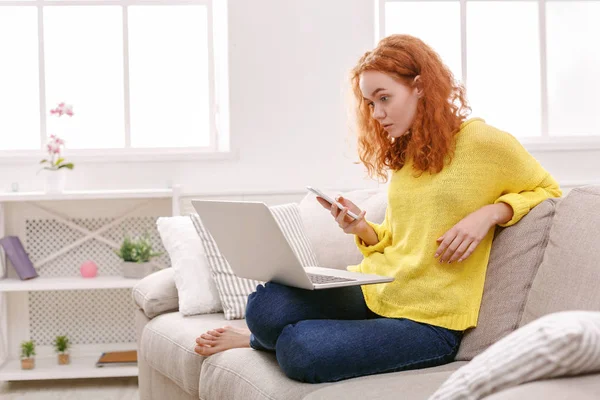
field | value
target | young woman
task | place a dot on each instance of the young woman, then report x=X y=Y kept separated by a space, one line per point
x=452 y=181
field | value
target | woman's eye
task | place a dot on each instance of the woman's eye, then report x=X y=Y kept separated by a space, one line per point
x=371 y=105
x=383 y=98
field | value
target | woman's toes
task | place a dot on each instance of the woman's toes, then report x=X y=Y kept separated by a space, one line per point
x=200 y=350
x=214 y=333
x=207 y=336
x=222 y=330
x=204 y=342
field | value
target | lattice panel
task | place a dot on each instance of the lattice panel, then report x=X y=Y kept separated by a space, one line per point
x=85 y=316
x=46 y=236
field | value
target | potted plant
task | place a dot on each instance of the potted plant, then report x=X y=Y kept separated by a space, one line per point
x=61 y=346
x=136 y=255
x=27 y=353
x=55 y=164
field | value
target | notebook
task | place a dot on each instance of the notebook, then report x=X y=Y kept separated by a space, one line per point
x=120 y=358
x=18 y=257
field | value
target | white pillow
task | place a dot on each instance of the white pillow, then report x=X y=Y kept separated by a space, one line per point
x=233 y=290
x=560 y=344
x=196 y=289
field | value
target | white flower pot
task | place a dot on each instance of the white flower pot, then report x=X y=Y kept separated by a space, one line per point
x=136 y=270
x=55 y=180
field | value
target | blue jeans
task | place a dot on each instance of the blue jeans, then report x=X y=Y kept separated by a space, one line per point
x=329 y=335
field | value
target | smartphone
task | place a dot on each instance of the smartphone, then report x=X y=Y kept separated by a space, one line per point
x=331 y=201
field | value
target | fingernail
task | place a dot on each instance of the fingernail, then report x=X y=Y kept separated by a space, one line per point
x=436 y=254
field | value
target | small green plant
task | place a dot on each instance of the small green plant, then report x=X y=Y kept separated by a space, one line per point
x=27 y=349
x=138 y=250
x=61 y=344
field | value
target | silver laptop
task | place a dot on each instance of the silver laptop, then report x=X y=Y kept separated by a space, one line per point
x=251 y=240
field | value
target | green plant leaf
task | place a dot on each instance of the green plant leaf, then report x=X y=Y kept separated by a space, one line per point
x=68 y=165
x=138 y=250
x=27 y=349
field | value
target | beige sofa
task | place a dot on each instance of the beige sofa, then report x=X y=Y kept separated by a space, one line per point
x=547 y=262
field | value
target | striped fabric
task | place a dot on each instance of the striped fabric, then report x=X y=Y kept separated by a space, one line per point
x=234 y=291
x=560 y=344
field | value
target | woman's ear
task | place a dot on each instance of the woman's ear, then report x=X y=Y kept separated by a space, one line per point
x=418 y=84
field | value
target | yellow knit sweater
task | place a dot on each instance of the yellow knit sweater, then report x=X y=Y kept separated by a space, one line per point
x=489 y=166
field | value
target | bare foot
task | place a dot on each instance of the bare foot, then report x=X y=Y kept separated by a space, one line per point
x=222 y=339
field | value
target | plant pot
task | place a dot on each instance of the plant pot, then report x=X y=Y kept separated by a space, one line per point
x=64 y=359
x=55 y=180
x=27 y=363
x=136 y=270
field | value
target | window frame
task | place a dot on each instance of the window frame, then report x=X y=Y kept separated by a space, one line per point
x=218 y=148
x=545 y=142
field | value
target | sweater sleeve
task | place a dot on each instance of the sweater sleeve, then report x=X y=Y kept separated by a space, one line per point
x=525 y=183
x=384 y=235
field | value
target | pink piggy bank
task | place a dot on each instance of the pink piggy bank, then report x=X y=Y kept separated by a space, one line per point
x=88 y=269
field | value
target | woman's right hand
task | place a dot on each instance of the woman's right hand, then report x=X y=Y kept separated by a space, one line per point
x=348 y=225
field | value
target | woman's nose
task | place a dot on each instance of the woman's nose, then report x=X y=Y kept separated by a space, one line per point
x=378 y=113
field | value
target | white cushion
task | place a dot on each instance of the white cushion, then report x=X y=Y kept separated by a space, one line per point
x=167 y=345
x=560 y=344
x=196 y=289
x=156 y=294
x=233 y=290
x=333 y=247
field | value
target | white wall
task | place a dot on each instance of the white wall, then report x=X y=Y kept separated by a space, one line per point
x=289 y=63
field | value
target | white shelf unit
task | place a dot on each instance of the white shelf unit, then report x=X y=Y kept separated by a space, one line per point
x=46 y=368
x=14 y=327
x=66 y=283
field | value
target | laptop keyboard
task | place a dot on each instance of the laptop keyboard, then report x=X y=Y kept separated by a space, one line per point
x=314 y=278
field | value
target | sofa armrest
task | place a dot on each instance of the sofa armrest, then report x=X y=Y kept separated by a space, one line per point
x=156 y=293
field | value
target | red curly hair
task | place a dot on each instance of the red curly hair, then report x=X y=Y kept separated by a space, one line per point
x=440 y=110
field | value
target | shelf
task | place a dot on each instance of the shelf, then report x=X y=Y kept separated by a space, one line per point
x=86 y=195
x=66 y=283
x=48 y=368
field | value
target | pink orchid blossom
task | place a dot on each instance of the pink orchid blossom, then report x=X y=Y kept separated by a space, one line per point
x=54 y=144
x=63 y=108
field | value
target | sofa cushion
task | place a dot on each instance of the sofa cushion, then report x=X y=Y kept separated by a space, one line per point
x=570 y=271
x=585 y=387
x=248 y=374
x=333 y=247
x=406 y=385
x=168 y=342
x=156 y=293
x=515 y=257
x=196 y=290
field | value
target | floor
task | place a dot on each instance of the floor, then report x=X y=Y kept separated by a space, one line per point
x=71 y=389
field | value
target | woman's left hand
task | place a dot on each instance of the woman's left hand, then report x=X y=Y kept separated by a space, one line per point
x=464 y=237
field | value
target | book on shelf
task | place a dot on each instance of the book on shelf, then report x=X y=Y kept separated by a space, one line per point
x=18 y=257
x=3 y=266
x=118 y=358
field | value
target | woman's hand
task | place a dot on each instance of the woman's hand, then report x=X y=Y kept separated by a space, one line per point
x=464 y=237
x=348 y=225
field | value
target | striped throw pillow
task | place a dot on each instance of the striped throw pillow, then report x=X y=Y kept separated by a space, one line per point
x=234 y=291
x=565 y=343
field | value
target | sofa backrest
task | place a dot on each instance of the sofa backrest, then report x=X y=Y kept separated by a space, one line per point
x=569 y=275
x=516 y=254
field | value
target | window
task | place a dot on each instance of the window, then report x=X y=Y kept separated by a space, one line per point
x=141 y=76
x=528 y=65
